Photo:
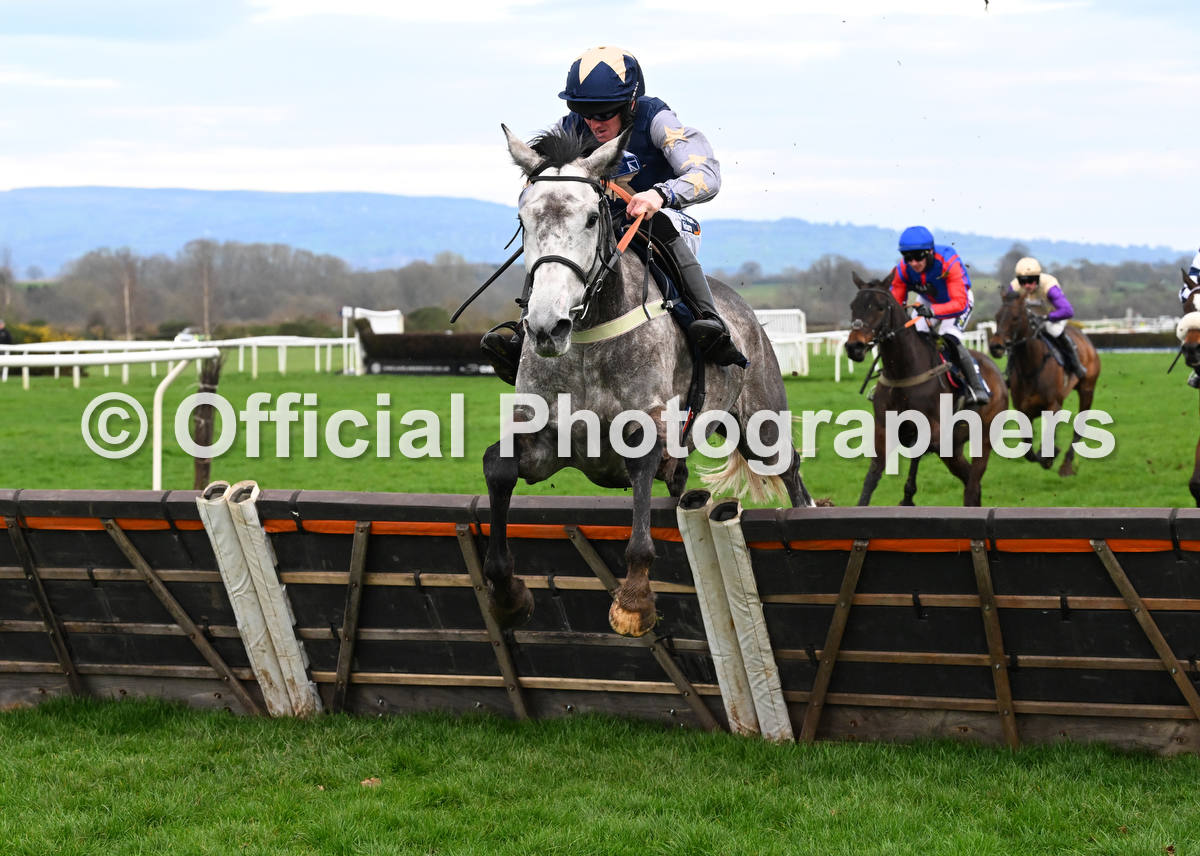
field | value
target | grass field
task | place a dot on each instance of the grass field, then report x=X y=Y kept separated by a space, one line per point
x=84 y=777
x=1155 y=427
x=80 y=777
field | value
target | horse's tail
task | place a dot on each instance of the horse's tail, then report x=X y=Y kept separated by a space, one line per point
x=737 y=478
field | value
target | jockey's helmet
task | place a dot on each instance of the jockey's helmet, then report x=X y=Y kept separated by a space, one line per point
x=604 y=74
x=1028 y=266
x=916 y=238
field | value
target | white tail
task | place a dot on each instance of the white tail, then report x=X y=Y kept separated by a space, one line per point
x=738 y=479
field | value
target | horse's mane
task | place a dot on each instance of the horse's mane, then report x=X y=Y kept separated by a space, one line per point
x=559 y=147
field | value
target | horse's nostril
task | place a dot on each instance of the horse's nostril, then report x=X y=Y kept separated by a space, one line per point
x=561 y=329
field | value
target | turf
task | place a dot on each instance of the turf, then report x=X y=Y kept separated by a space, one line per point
x=1155 y=429
x=85 y=777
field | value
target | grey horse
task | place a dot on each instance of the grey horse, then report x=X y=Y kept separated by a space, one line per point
x=579 y=290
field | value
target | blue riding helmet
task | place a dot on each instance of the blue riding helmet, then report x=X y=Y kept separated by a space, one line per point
x=604 y=74
x=916 y=238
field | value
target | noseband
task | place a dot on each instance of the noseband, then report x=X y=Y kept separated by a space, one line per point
x=882 y=333
x=602 y=263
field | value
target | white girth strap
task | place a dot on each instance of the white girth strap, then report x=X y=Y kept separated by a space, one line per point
x=620 y=325
x=1191 y=321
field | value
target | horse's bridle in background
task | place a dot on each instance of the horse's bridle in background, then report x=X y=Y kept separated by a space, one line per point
x=878 y=334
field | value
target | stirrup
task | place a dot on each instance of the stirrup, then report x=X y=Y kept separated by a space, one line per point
x=503 y=352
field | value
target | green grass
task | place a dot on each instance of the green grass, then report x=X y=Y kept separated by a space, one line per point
x=1155 y=430
x=84 y=777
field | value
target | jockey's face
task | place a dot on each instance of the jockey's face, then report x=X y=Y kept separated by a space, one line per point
x=918 y=265
x=606 y=130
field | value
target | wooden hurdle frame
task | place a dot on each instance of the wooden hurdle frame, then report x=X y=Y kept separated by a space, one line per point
x=1006 y=626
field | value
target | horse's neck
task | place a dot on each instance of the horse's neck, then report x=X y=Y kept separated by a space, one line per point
x=1029 y=349
x=621 y=292
x=907 y=352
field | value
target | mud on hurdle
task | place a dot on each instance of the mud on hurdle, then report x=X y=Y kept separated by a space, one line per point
x=1005 y=626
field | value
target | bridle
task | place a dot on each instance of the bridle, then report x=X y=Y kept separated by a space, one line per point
x=883 y=332
x=1035 y=323
x=602 y=262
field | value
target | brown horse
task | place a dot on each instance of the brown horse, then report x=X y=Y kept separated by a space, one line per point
x=1188 y=332
x=915 y=378
x=1039 y=384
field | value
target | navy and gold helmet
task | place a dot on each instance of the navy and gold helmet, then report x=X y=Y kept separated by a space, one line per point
x=604 y=74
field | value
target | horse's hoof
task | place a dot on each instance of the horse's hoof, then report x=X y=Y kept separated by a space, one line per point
x=516 y=609
x=630 y=623
x=825 y=502
x=1065 y=472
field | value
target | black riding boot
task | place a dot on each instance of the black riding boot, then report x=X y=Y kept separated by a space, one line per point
x=504 y=352
x=1067 y=345
x=976 y=393
x=708 y=331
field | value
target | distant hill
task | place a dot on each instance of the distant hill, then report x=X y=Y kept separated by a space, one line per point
x=48 y=227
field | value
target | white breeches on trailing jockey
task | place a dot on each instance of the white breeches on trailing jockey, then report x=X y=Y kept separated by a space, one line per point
x=952 y=327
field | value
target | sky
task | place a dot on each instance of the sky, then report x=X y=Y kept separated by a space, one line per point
x=1061 y=119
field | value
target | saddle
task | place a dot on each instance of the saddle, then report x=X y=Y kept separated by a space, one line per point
x=662 y=267
x=1055 y=350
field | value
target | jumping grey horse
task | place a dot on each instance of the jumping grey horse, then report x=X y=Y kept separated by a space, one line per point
x=592 y=336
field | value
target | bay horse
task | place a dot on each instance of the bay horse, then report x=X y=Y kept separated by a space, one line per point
x=580 y=291
x=914 y=378
x=1038 y=383
x=1188 y=332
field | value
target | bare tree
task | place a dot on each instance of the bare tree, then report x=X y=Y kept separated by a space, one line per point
x=6 y=277
x=201 y=253
x=127 y=274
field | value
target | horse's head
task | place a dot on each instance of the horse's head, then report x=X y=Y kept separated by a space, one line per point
x=1188 y=329
x=567 y=233
x=872 y=315
x=1012 y=322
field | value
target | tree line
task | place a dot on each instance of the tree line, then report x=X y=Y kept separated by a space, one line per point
x=230 y=288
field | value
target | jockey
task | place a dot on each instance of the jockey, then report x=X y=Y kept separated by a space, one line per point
x=943 y=287
x=1184 y=293
x=667 y=167
x=1042 y=290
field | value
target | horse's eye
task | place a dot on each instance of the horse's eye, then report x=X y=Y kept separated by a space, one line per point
x=592 y=218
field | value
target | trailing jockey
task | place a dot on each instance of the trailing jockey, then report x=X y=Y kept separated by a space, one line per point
x=1185 y=293
x=667 y=167
x=940 y=280
x=1042 y=290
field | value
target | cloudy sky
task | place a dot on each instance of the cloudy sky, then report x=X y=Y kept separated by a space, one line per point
x=1066 y=119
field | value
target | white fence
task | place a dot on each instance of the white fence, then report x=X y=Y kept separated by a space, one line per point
x=72 y=354
x=788 y=331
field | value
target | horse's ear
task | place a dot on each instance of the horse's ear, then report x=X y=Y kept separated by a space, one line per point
x=858 y=280
x=604 y=160
x=523 y=156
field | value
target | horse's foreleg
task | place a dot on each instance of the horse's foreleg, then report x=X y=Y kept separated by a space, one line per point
x=1194 y=484
x=910 y=485
x=512 y=604
x=632 y=612
x=877 y=463
x=871 y=481
x=969 y=472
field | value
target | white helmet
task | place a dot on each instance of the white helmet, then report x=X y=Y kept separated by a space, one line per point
x=1028 y=266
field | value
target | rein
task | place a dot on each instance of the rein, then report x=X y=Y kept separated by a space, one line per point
x=878 y=337
x=591 y=283
x=1012 y=345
